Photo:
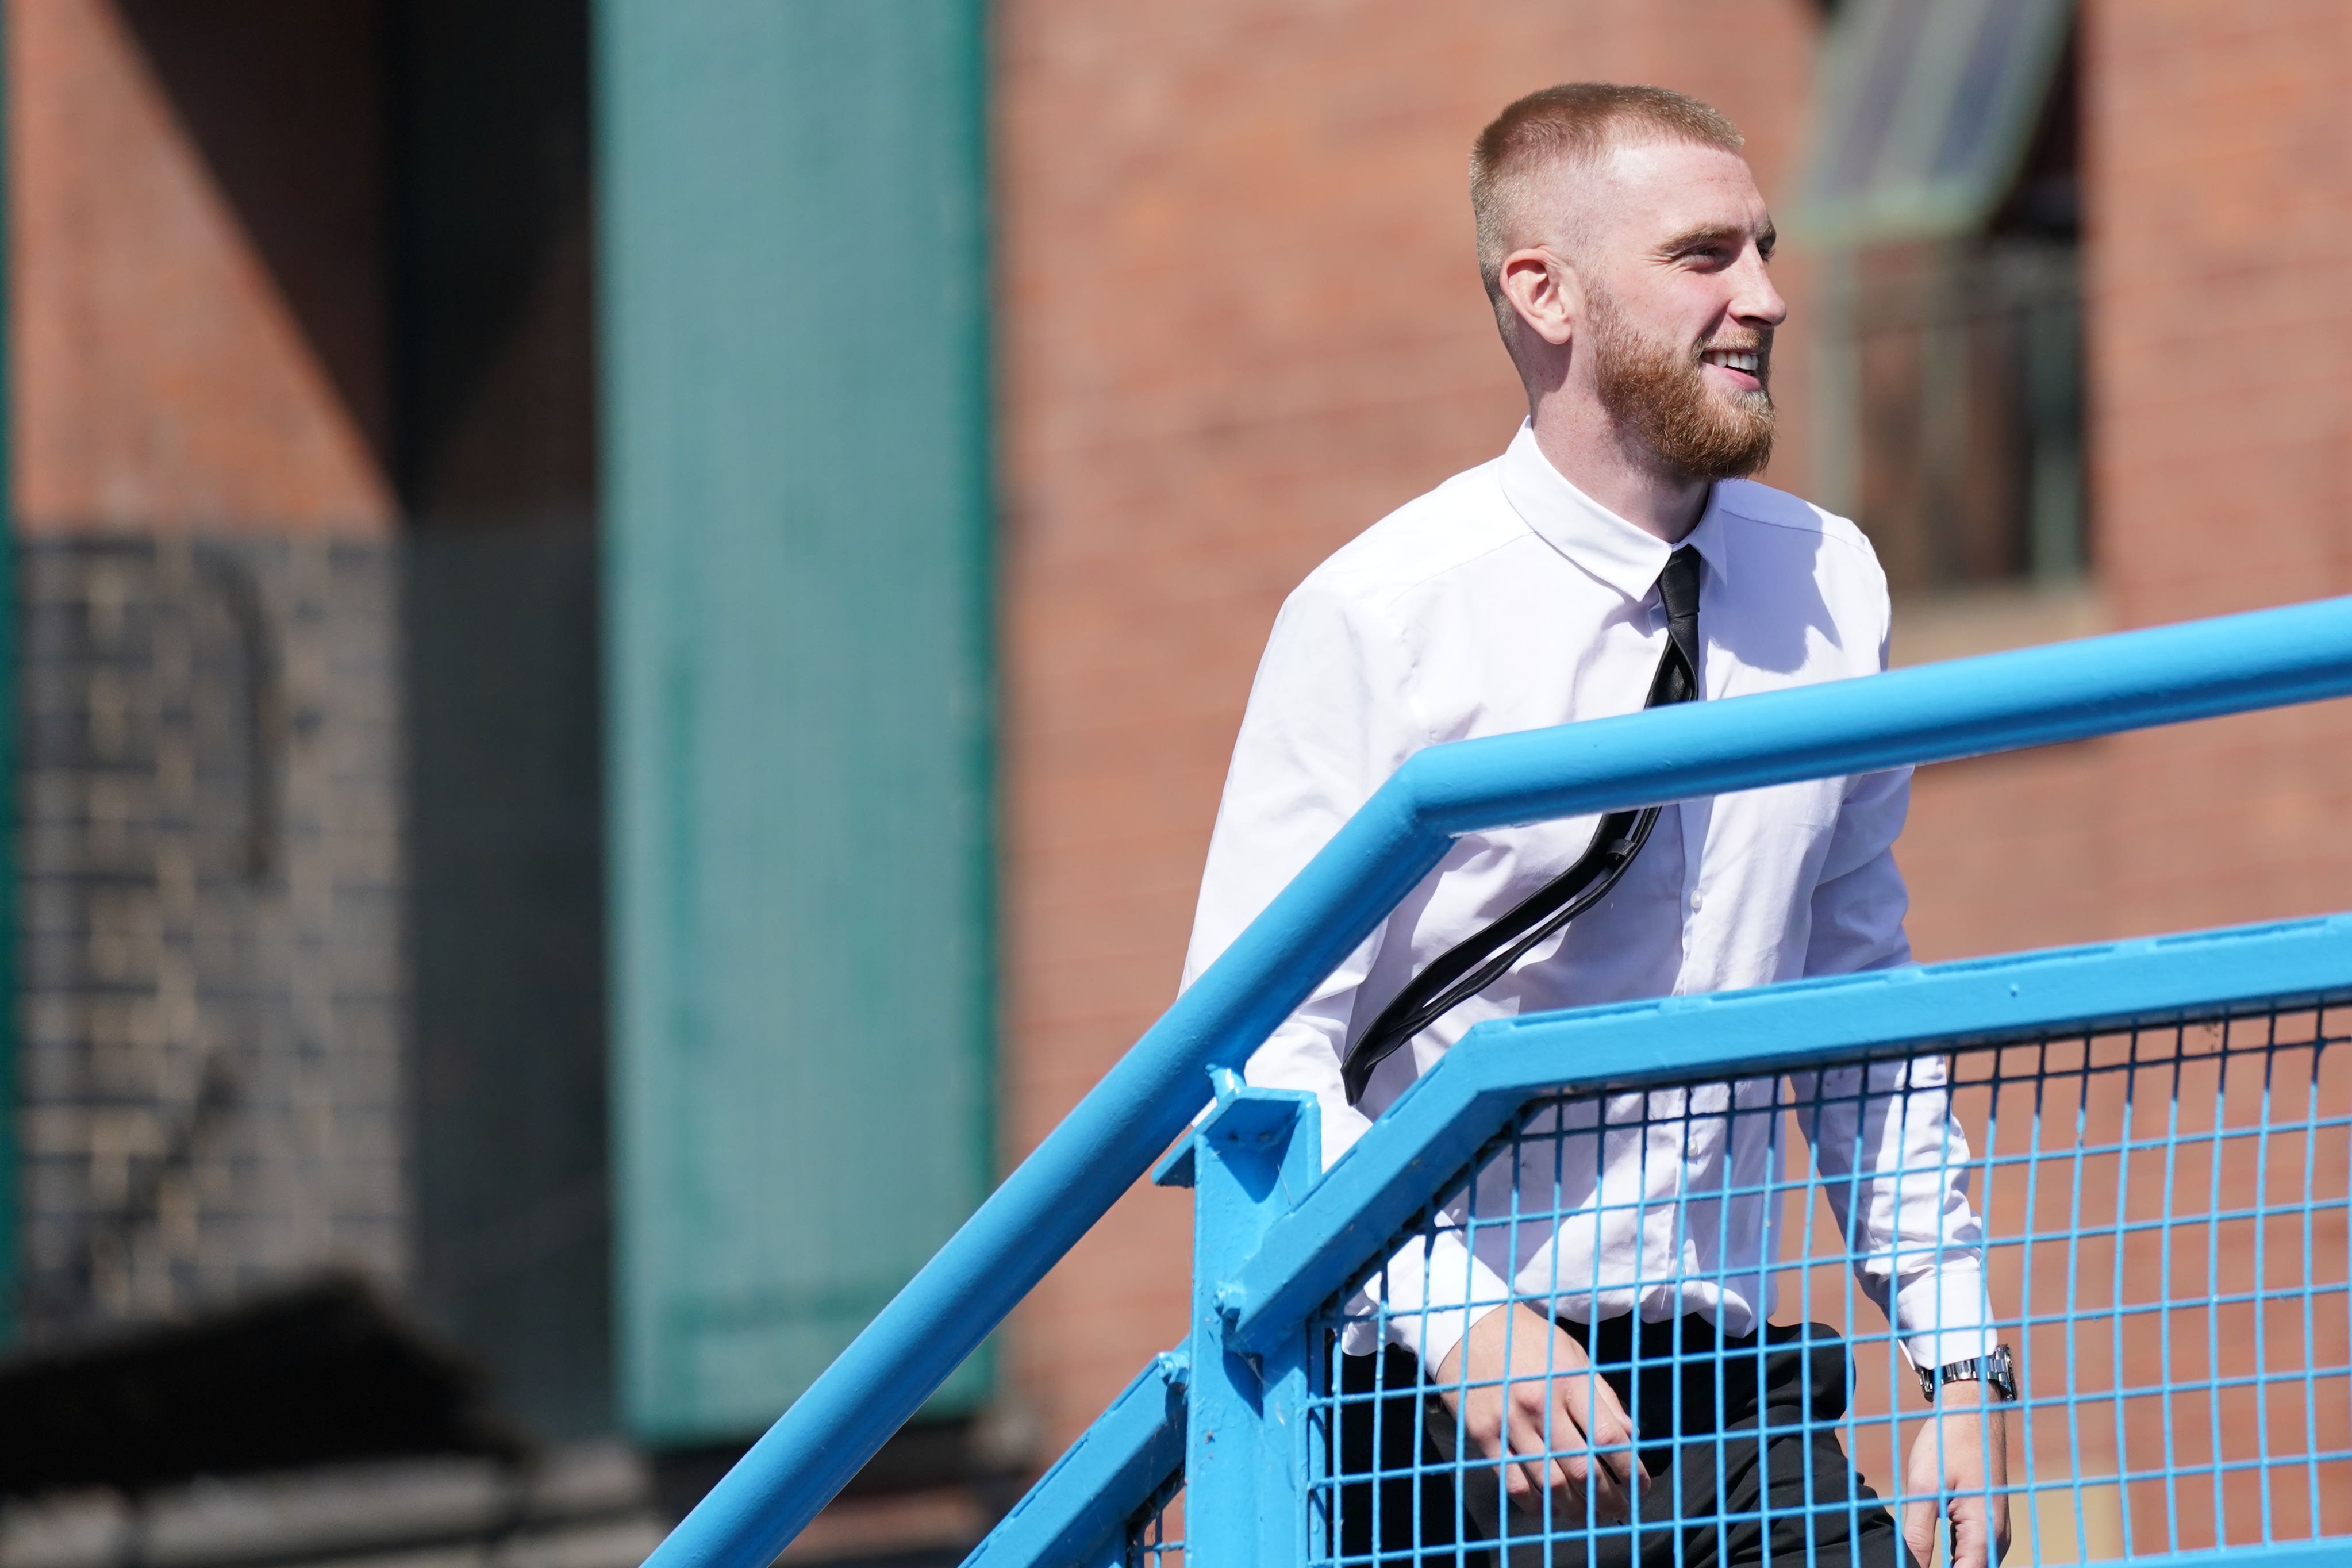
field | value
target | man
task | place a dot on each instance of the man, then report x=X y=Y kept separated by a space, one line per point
x=1616 y=556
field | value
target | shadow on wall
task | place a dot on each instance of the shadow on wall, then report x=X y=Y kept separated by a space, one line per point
x=284 y=100
x=414 y=176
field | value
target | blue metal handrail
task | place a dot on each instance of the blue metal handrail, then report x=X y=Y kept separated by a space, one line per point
x=1499 y=1065
x=1278 y=1267
x=1934 y=714
x=1078 y=1511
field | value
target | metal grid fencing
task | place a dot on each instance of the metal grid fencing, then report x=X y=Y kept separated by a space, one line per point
x=1155 y=1535
x=1286 y=1234
x=2164 y=1216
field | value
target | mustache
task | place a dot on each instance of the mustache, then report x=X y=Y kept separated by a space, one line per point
x=1745 y=343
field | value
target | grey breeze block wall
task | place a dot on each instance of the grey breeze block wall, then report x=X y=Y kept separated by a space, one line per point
x=210 y=1063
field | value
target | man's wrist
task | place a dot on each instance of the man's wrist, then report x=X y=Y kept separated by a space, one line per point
x=1992 y=1377
x=1966 y=1399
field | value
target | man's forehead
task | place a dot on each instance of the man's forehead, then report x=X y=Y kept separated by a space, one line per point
x=1648 y=191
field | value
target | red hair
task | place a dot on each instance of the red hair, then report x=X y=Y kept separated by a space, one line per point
x=1572 y=123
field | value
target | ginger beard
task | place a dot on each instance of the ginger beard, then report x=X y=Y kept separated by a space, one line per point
x=1657 y=394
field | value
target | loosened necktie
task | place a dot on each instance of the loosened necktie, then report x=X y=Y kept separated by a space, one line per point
x=1480 y=959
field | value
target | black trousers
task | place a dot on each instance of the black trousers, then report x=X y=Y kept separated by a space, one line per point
x=1736 y=1426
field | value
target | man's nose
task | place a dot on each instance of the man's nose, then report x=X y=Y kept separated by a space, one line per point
x=1756 y=300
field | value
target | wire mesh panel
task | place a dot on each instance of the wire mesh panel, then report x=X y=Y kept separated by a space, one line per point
x=2157 y=1216
x=1155 y=1536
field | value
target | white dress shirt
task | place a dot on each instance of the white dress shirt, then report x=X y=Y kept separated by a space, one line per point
x=1505 y=599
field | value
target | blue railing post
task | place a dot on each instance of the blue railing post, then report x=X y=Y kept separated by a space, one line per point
x=1080 y=1511
x=1245 y=1457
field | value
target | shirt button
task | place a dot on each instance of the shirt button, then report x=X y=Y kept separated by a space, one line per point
x=1696 y=900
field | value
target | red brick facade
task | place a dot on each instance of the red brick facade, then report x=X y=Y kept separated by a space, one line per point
x=2216 y=180
x=191 y=355
x=1241 y=322
x=208 y=867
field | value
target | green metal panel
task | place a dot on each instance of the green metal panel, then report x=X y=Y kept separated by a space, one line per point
x=792 y=304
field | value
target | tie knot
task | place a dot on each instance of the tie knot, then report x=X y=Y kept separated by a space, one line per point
x=1678 y=586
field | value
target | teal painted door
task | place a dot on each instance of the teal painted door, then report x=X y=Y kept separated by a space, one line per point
x=794 y=313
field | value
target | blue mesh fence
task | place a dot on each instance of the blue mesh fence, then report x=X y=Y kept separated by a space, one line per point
x=1968 y=707
x=2164 y=1216
x=1155 y=1536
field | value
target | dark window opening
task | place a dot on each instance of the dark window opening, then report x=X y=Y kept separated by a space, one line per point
x=1952 y=397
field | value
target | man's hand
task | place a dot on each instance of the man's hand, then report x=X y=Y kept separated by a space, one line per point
x=1529 y=1382
x=1964 y=1451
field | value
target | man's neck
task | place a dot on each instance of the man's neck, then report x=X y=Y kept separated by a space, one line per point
x=1592 y=453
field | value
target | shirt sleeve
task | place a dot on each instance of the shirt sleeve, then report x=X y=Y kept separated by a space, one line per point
x=1329 y=719
x=1894 y=1162
x=1859 y=901
x=1895 y=1166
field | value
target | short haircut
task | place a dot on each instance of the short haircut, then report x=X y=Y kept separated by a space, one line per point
x=1574 y=122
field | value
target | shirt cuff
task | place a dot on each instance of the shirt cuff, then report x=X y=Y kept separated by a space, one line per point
x=1944 y=1316
x=1435 y=1290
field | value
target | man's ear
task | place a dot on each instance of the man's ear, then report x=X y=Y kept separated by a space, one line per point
x=1546 y=293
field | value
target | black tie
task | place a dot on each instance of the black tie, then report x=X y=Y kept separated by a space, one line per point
x=1677 y=677
x=1480 y=959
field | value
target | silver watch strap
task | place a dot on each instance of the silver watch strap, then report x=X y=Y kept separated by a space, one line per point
x=1997 y=1367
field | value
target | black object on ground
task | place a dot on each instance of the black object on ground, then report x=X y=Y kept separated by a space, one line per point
x=318 y=1371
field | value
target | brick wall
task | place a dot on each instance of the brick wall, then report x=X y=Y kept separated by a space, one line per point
x=209 y=1060
x=211 y=1073
x=2217 y=179
x=196 y=267
x=1240 y=321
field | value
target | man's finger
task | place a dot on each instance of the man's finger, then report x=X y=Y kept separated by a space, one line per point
x=1593 y=1405
x=1560 y=1466
x=1617 y=1475
x=1515 y=1479
x=1969 y=1535
x=1542 y=1473
x=1609 y=1500
x=1583 y=1480
x=1919 y=1529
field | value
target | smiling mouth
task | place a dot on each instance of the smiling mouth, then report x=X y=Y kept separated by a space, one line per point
x=1748 y=362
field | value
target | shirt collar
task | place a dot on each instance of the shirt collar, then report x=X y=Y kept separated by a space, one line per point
x=1614 y=551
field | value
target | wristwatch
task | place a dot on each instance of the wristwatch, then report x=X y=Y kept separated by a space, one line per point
x=1999 y=1369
